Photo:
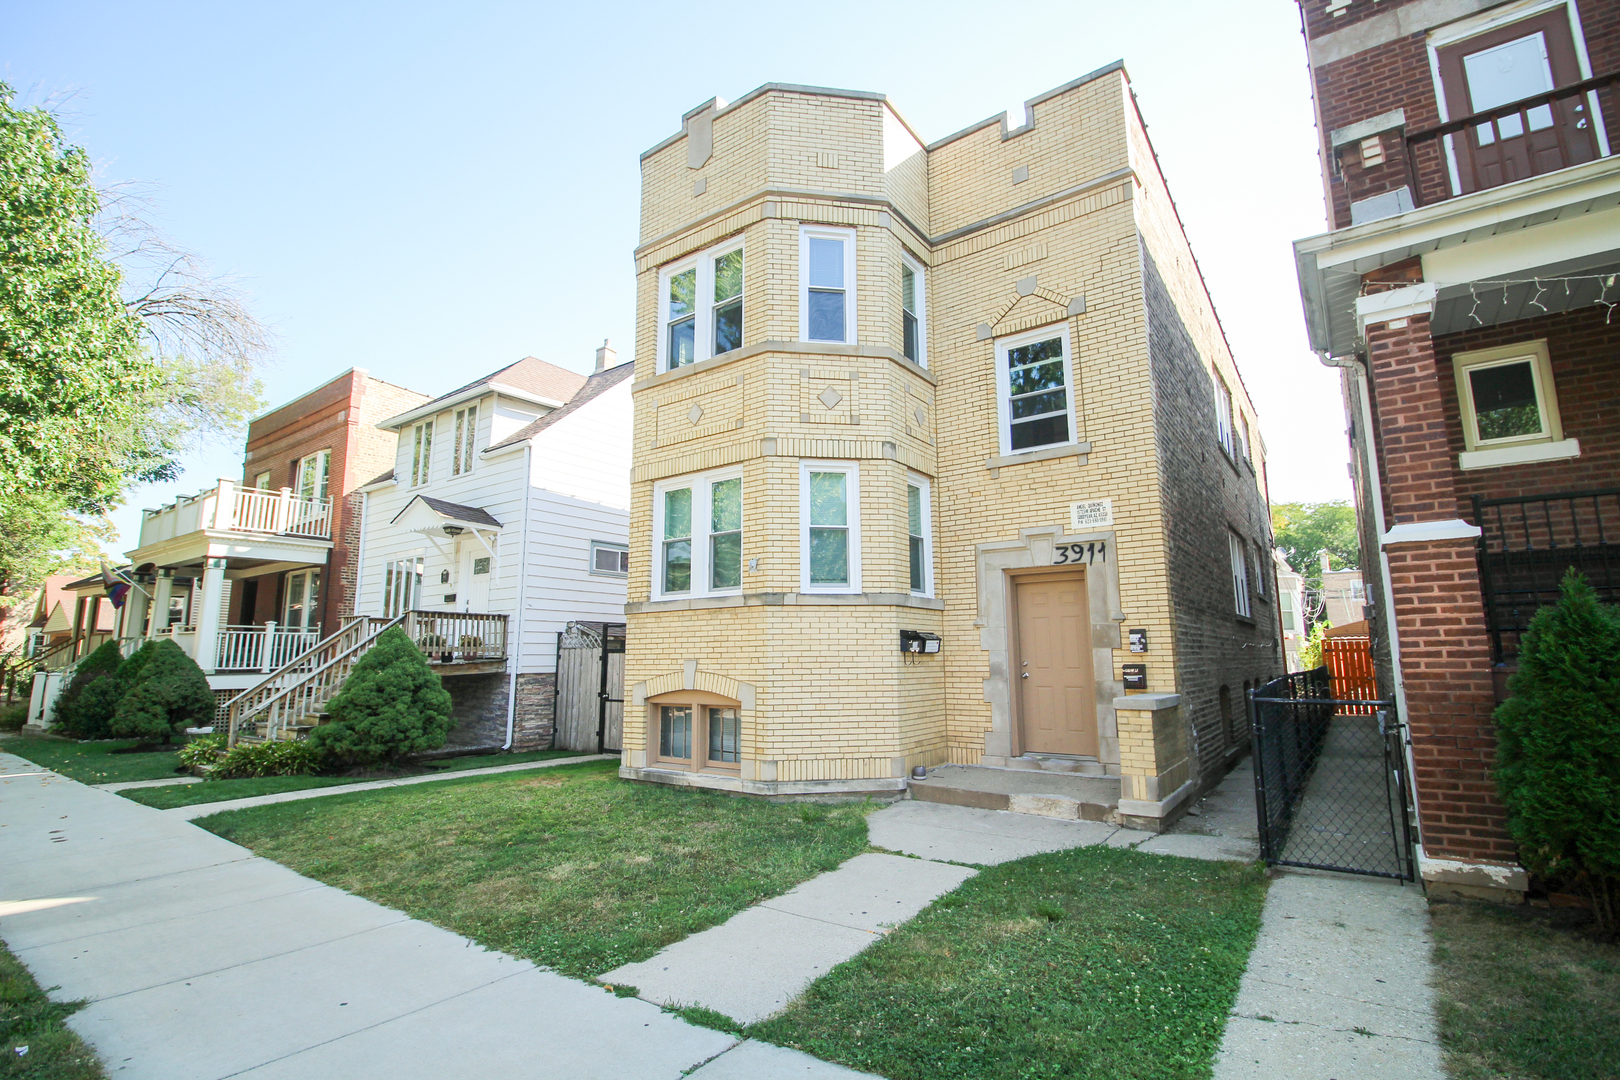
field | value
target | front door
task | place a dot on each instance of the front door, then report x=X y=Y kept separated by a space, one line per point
x=476 y=570
x=1056 y=688
x=300 y=609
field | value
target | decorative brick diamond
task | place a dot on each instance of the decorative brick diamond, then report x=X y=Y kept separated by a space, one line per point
x=830 y=397
x=922 y=417
x=696 y=414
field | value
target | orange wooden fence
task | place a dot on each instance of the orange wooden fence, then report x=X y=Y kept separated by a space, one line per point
x=1350 y=667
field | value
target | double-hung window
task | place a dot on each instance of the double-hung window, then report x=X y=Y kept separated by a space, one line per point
x=461 y=458
x=314 y=475
x=919 y=534
x=1260 y=575
x=1034 y=375
x=829 y=526
x=826 y=284
x=402 y=585
x=1240 y=574
x=421 y=453
x=700 y=306
x=698 y=530
x=914 y=342
x=1223 y=415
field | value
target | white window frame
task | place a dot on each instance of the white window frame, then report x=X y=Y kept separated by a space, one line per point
x=614 y=546
x=1240 y=574
x=926 y=487
x=402 y=585
x=703 y=315
x=419 y=465
x=261 y=482
x=1260 y=588
x=1004 y=389
x=853 y=492
x=921 y=274
x=826 y=232
x=1223 y=414
x=466 y=435
x=1536 y=353
x=323 y=486
x=702 y=485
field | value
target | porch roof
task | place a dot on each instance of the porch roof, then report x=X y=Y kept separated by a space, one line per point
x=426 y=514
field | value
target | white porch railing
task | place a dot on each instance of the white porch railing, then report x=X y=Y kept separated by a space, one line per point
x=229 y=508
x=262 y=648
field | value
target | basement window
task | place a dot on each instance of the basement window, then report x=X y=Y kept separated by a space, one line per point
x=695 y=730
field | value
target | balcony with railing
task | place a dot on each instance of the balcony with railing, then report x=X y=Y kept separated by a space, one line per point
x=241 y=515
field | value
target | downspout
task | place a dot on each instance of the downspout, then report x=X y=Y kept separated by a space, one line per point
x=515 y=645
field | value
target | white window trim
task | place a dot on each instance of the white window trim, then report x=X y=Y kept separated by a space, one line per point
x=419 y=477
x=822 y=232
x=702 y=485
x=1546 y=393
x=1224 y=408
x=921 y=274
x=324 y=460
x=466 y=440
x=607 y=545
x=927 y=488
x=853 y=471
x=1240 y=574
x=703 y=323
x=1004 y=390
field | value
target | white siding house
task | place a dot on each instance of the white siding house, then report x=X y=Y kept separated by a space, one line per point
x=506 y=516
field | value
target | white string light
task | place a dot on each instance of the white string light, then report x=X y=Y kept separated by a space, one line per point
x=1604 y=282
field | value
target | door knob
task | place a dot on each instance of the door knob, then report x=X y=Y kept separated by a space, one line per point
x=1023 y=675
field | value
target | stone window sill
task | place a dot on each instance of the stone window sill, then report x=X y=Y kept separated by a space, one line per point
x=1518 y=455
x=1001 y=461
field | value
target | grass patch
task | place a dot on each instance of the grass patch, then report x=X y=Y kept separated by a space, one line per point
x=29 y=1018
x=166 y=798
x=95 y=762
x=1094 y=963
x=570 y=867
x=1524 y=996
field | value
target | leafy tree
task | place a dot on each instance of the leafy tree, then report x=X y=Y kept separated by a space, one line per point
x=70 y=712
x=169 y=693
x=40 y=536
x=1558 y=746
x=392 y=704
x=1304 y=530
x=102 y=380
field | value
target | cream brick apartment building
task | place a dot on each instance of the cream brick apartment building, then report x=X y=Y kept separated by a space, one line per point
x=925 y=434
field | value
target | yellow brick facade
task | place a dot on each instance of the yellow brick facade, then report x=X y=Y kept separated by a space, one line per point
x=1045 y=226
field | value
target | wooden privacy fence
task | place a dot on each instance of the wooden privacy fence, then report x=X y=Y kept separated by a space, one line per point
x=1350 y=668
x=590 y=687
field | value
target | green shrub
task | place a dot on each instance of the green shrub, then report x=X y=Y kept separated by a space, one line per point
x=392 y=704
x=70 y=715
x=202 y=750
x=1558 y=746
x=169 y=694
x=13 y=717
x=286 y=757
x=1310 y=656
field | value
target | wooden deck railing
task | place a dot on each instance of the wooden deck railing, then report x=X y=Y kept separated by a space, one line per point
x=245 y=707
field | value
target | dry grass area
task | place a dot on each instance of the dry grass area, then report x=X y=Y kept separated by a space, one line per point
x=1525 y=995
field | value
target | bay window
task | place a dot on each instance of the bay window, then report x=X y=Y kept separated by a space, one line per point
x=829 y=526
x=700 y=306
x=698 y=532
x=914 y=343
x=919 y=534
x=826 y=284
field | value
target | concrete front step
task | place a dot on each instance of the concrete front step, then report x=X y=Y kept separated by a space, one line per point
x=1022 y=791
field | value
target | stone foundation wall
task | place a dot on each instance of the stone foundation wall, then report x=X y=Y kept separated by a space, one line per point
x=534 y=722
x=478 y=706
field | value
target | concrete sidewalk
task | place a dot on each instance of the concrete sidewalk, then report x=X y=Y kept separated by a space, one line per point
x=202 y=961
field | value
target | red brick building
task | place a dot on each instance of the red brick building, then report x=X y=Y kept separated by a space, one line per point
x=1465 y=294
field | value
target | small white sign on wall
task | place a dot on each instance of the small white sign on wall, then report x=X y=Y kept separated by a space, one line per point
x=1096 y=514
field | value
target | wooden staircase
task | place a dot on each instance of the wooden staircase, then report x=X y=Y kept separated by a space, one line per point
x=292 y=700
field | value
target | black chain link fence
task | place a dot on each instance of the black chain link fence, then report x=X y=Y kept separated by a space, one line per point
x=1329 y=779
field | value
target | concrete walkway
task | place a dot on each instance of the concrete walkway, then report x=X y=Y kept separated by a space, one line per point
x=202 y=961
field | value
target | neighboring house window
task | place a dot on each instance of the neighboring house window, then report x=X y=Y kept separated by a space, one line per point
x=461 y=458
x=1240 y=573
x=262 y=481
x=829 y=526
x=314 y=473
x=1506 y=395
x=696 y=729
x=826 y=284
x=402 y=586
x=701 y=306
x=919 y=534
x=698 y=526
x=1223 y=415
x=1285 y=601
x=1033 y=376
x=914 y=342
x=609 y=558
x=421 y=453
x=1358 y=591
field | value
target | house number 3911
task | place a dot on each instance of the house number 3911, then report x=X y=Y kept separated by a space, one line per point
x=1088 y=553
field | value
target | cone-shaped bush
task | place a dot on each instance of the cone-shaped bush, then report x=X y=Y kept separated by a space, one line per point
x=74 y=715
x=392 y=704
x=1558 y=746
x=168 y=694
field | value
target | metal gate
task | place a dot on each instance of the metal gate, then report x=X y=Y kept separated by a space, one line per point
x=590 y=687
x=1330 y=784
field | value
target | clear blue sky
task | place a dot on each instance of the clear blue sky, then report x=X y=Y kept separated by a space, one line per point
x=430 y=192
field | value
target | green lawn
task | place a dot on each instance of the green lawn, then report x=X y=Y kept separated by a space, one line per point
x=570 y=867
x=94 y=762
x=221 y=790
x=1095 y=963
x=29 y=1018
x=1524 y=997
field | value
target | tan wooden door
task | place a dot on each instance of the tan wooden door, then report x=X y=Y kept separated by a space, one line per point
x=1057 y=697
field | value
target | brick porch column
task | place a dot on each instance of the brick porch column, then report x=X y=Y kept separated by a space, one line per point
x=1439 y=613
